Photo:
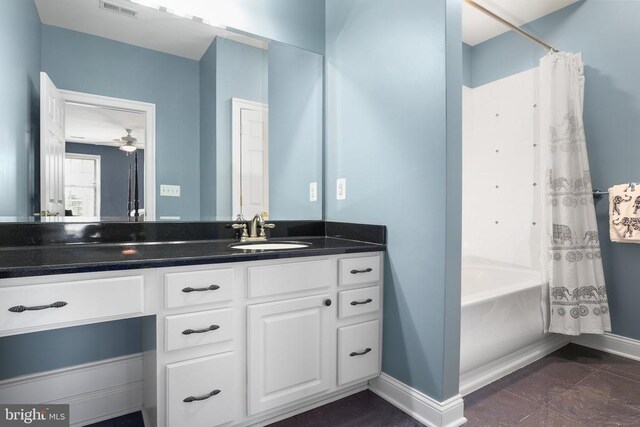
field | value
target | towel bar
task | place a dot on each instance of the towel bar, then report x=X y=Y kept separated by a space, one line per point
x=599 y=194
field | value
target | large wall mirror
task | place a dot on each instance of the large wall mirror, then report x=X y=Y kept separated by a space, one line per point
x=135 y=113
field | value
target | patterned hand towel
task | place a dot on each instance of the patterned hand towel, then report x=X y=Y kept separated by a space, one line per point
x=624 y=213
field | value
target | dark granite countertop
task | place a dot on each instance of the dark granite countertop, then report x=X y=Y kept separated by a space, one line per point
x=77 y=257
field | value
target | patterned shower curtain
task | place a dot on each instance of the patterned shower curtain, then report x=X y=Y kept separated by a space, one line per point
x=577 y=293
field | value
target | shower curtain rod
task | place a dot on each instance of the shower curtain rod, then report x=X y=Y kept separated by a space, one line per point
x=510 y=25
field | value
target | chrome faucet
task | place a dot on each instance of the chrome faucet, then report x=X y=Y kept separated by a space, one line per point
x=253 y=235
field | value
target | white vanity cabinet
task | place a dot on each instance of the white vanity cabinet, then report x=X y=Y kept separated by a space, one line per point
x=305 y=330
x=233 y=344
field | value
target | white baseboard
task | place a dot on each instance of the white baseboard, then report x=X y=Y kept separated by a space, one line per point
x=95 y=391
x=417 y=404
x=497 y=369
x=611 y=343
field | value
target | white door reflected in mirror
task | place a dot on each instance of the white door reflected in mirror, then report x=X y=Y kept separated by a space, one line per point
x=250 y=153
x=52 y=117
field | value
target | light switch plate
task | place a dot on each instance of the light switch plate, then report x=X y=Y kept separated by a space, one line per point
x=170 y=190
x=341 y=189
x=313 y=192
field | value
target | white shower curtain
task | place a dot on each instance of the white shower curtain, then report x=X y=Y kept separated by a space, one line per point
x=573 y=265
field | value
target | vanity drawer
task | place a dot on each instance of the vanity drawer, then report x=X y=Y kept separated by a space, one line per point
x=198 y=287
x=354 y=271
x=201 y=392
x=295 y=277
x=358 y=352
x=358 y=301
x=70 y=302
x=193 y=329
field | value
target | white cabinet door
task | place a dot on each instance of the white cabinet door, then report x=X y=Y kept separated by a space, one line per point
x=288 y=350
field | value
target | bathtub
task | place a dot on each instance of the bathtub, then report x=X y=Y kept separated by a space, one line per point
x=501 y=316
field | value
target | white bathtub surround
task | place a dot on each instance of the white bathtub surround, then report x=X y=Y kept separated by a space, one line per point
x=500 y=215
x=624 y=213
x=502 y=289
x=431 y=412
x=574 y=267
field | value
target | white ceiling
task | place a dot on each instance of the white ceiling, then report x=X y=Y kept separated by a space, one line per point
x=151 y=28
x=88 y=124
x=478 y=27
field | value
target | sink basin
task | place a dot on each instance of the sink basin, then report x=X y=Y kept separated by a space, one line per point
x=270 y=246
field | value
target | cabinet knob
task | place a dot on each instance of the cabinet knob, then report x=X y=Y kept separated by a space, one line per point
x=327 y=302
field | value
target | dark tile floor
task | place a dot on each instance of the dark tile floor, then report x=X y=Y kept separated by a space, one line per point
x=362 y=409
x=130 y=420
x=575 y=386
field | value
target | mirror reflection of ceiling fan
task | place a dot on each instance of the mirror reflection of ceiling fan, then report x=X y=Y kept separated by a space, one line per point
x=128 y=142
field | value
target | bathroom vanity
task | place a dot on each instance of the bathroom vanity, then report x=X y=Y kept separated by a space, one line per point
x=232 y=337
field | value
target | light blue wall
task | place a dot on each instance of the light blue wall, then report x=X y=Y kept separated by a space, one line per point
x=607 y=34
x=453 y=245
x=386 y=133
x=208 y=134
x=295 y=132
x=84 y=63
x=42 y=351
x=289 y=80
x=295 y=22
x=19 y=105
x=241 y=72
x=466 y=65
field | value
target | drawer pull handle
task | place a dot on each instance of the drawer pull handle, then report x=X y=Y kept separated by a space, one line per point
x=21 y=308
x=366 y=270
x=367 y=301
x=200 y=331
x=360 y=353
x=208 y=288
x=196 y=398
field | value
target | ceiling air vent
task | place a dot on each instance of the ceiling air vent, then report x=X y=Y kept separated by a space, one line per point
x=121 y=10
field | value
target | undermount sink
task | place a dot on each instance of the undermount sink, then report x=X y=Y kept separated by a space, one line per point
x=267 y=246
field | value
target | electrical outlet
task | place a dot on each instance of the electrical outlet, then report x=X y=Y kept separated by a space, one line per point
x=313 y=192
x=170 y=190
x=341 y=189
